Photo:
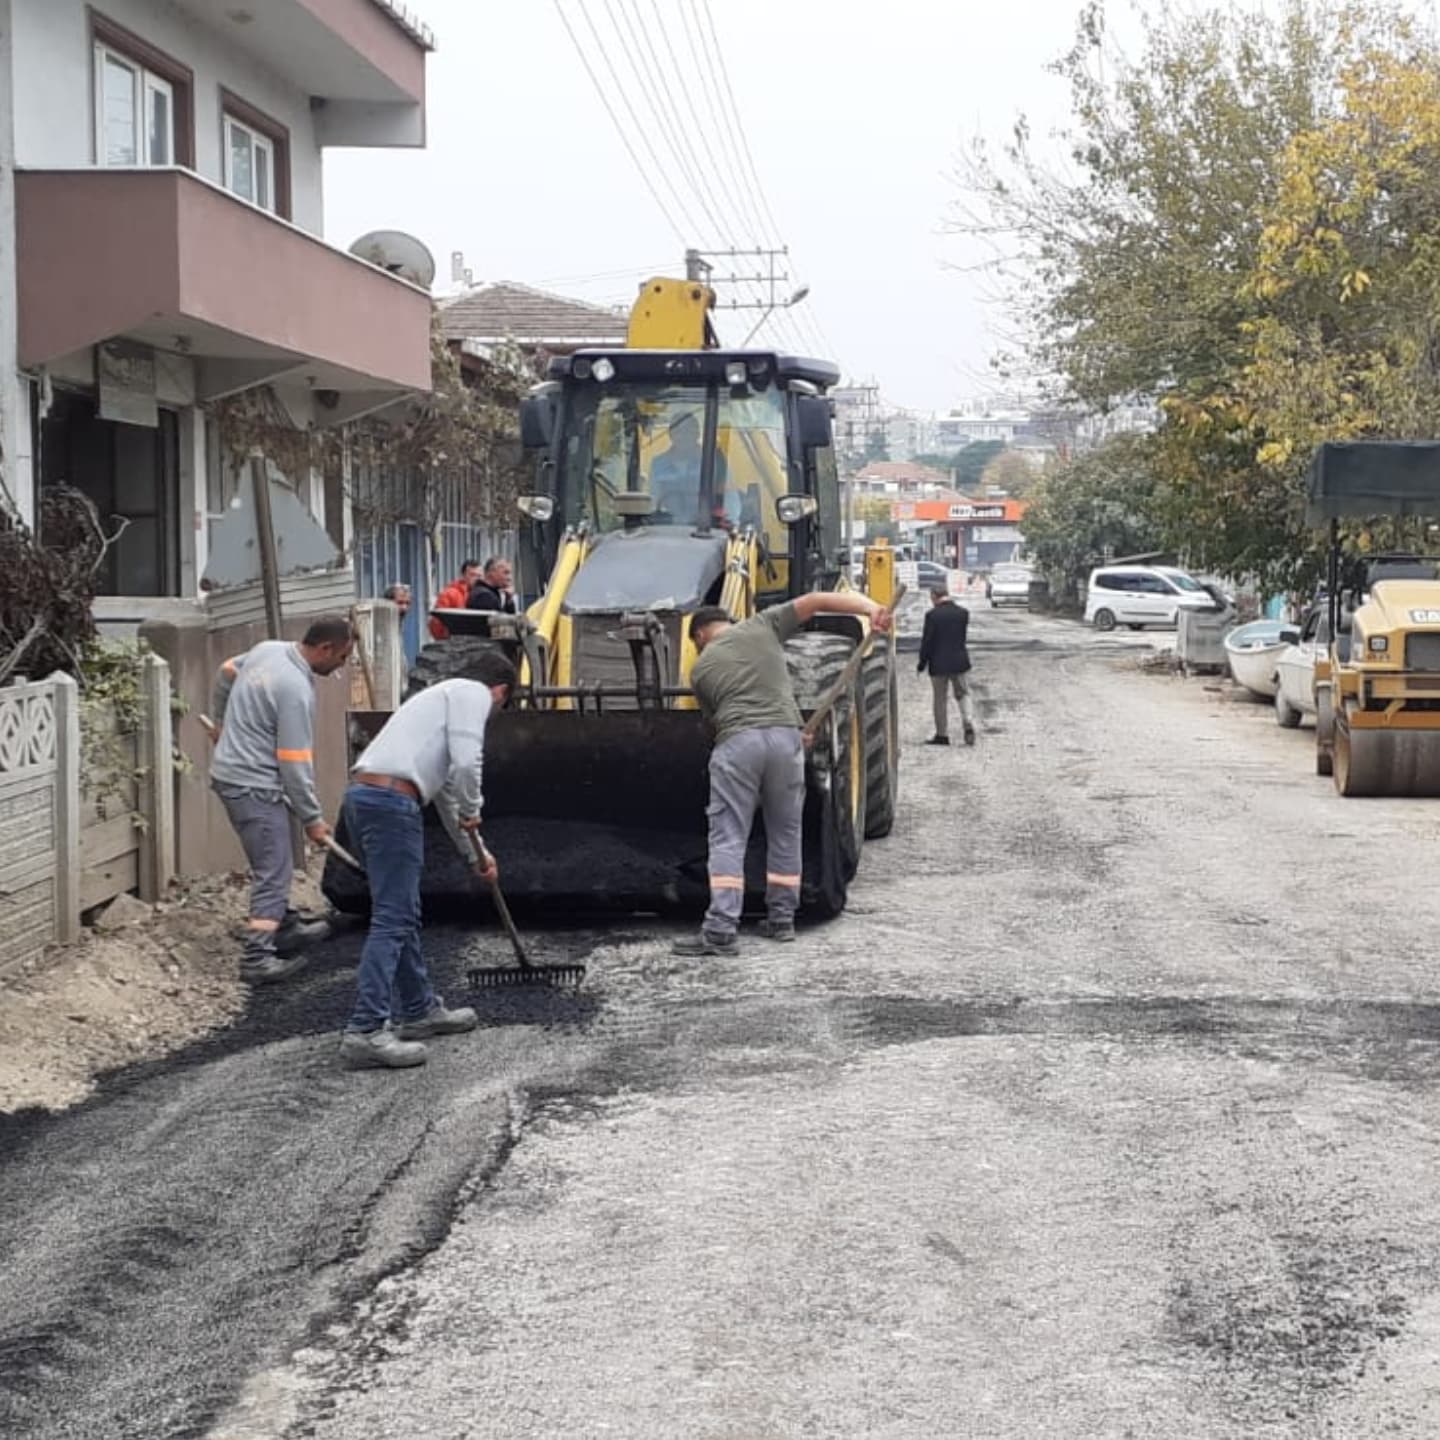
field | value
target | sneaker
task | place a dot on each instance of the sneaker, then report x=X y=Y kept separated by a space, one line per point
x=969 y=734
x=705 y=943
x=262 y=964
x=381 y=1049
x=297 y=932
x=782 y=931
x=938 y=740
x=438 y=1021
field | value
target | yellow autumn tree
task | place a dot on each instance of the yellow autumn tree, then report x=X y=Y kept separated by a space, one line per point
x=1345 y=338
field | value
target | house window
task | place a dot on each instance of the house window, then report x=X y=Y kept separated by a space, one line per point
x=249 y=164
x=256 y=156
x=142 y=101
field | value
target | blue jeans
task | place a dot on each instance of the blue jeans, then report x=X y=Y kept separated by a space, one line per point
x=388 y=833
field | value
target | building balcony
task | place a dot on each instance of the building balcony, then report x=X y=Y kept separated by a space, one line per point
x=362 y=61
x=164 y=258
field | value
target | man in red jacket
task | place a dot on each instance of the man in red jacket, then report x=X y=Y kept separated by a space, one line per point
x=455 y=596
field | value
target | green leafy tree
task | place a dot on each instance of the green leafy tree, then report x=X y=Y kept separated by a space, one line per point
x=1107 y=501
x=1138 y=265
x=1009 y=472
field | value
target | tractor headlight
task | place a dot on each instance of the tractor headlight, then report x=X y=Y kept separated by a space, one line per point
x=603 y=370
x=1378 y=644
x=737 y=372
x=792 y=509
x=537 y=507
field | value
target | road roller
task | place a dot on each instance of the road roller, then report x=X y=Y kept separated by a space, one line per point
x=1377 y=687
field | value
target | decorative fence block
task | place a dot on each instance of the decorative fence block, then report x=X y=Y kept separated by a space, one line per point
x=58 y=856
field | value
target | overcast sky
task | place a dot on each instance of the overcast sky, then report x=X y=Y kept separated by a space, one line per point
x=853 y=112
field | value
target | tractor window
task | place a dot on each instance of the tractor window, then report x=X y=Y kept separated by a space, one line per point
x=750 y=471
x=642 y=439
x=649 y=439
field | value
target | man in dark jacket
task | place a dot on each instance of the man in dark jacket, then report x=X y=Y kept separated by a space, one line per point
x=944 y=653
x=493 y=590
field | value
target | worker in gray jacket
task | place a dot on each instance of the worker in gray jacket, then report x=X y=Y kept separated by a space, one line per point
x=743 y=685
x=263 y=769
x=431 y=749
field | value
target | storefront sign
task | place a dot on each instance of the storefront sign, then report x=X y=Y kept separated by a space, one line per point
x=126 y=374
x=977 y=512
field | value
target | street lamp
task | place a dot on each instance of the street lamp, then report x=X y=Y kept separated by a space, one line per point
x=795 y=298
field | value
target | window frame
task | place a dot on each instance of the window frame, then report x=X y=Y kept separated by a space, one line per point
x=235 y=110
x=149 y=64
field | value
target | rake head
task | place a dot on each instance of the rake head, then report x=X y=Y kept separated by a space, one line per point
x=556 y=977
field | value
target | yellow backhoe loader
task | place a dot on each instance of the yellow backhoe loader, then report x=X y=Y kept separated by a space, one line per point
x=1377 y=687
x=671 y=473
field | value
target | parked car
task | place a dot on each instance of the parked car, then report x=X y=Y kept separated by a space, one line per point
x=929 y=574
x=1008 y=585
x=1295 y=669
x=1141 y=595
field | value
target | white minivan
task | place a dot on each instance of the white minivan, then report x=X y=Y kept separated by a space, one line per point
x=1140 y=595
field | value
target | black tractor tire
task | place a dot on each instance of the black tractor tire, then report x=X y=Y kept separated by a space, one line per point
x=452 y=659
x=882 y=741
x=834 y=773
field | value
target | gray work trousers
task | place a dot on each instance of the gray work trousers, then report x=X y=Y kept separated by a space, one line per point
x=263 y=824
x=756 y=769
x=943 y=686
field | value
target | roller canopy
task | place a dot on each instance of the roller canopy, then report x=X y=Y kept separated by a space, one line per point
x=1366 y=478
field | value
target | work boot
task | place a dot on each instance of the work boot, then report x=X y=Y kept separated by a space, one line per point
x=938 y=740
x=437 y=1020
x=707 y=942
x=781 y=931
x=381 y=1049
x=298 y=931
x=969 y=734
x=261 y=964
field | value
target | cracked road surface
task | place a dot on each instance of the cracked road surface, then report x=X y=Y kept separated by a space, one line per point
x=1109 y=1109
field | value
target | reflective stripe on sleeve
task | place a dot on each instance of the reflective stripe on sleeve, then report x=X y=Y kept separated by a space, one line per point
x=296 y=757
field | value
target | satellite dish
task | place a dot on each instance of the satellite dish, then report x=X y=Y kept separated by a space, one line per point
x=399 y=253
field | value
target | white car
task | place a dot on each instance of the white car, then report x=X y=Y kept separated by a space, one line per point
x=1008 y=585
x=1295 y=670
x=1140 y=595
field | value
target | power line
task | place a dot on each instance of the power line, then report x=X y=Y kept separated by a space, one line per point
x=672 y=134
x=619 y=129
x=739 y=119
x=736 y=206
x=640 y=129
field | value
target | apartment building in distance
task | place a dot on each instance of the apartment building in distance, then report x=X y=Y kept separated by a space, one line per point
x=161 y=216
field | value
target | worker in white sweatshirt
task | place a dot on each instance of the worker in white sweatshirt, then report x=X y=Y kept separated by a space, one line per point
x=431 y=748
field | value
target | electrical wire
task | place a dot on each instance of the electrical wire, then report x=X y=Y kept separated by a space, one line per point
x=619 y=129
x=673 y=134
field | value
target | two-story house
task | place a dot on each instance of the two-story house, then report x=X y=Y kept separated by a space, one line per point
x=160 y=223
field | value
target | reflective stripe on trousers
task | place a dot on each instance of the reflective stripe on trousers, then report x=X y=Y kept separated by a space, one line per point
x=765 y=770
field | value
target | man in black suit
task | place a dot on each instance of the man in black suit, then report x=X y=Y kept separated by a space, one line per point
x=944 y=653
x=493 y=590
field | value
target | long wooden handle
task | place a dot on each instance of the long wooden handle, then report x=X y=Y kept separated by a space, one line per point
x=342 y=854
x=841 y=687
x=484 y=857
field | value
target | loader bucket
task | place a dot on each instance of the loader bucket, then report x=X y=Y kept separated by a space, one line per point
x=591 y=811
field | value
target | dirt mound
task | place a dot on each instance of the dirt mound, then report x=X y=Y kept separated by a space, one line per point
x=143 y=981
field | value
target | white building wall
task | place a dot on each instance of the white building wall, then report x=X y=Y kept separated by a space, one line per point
x=54 y=91
x=14 y=416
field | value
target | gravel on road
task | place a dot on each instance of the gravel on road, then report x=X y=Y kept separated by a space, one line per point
x=1107 y=1109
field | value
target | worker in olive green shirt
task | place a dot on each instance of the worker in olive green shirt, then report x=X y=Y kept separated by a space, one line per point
x=743 y=685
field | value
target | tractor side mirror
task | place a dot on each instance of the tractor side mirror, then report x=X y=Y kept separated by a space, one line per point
x=812 y=416
x=537 y=417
